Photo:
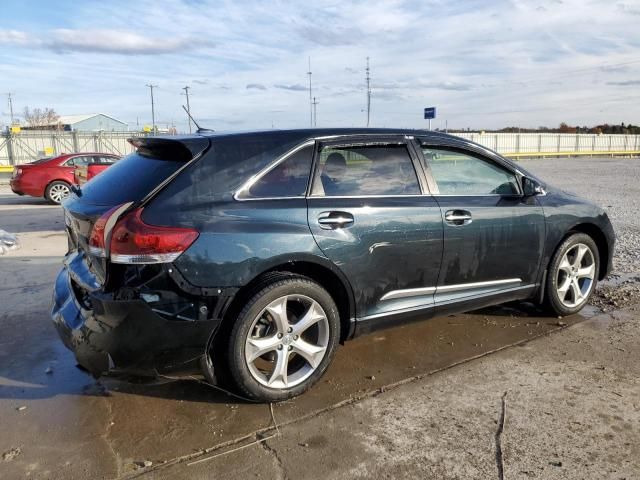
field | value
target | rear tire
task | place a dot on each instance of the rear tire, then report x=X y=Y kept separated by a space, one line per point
x=573 y=275
x=283 y=340
x=57 y=191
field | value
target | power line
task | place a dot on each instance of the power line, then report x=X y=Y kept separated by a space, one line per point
x=186 y=93
x=153 y=111
x=310 y=96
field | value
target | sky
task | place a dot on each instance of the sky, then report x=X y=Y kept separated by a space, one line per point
x=482 y=64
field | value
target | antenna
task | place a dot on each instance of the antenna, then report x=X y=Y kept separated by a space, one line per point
x=310 y=96
x=368 y=79
x=200 y=129
x=186 y=92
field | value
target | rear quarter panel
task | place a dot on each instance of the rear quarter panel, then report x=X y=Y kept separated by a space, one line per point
x=240 y=240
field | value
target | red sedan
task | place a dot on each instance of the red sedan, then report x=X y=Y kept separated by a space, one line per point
x=52 y=178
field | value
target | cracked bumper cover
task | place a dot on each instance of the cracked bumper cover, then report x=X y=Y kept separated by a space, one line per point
x=125 y=336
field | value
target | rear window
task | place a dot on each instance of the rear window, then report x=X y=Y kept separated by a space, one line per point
x=129 y=179
x=230 y=162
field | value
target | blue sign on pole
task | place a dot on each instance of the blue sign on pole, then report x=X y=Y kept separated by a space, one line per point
x=429 y=113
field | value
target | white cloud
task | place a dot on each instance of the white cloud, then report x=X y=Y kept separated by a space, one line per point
x=294 y=88
x=98 y=41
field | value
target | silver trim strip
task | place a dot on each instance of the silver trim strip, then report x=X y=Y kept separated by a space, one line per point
x=410 y=292
x=470 y=286
x=419 y=308
x=415 y=292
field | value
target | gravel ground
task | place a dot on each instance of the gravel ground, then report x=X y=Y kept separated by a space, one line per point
x=613 y=183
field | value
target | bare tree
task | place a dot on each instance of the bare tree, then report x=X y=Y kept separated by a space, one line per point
x=41 y=117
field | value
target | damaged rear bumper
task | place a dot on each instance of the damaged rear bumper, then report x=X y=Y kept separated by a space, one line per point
x=110 y=335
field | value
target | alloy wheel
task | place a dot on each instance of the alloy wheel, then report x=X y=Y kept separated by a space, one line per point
x=58 y=192
x=575 y=276
x=287 y=341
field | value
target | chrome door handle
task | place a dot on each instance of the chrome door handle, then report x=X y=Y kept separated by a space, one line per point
x=331 y=220
x=458 y=217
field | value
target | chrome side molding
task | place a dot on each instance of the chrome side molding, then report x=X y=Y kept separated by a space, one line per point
x=473 y=286
x=410 y=292
x=416 y=292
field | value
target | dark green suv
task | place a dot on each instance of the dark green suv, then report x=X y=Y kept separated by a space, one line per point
x=250 y=256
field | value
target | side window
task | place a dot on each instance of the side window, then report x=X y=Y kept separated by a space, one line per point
x=365 y=170
x=75 y=161
x=288 y=179
x=457 y=173
x=104 y=160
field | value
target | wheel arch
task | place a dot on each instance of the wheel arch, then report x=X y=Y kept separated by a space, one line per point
x=62 y=180
x=598 y=237
x=322 y=272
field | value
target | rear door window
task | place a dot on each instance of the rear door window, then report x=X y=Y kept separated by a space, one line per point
x=366 y=170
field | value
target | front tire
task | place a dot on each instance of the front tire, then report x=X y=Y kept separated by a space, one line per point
x=57 y=191
x=283 y=340
x=573 y=274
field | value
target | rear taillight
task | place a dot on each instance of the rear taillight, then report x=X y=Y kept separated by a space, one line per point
x=97 y=241
x=133 y=241
x=17 y=172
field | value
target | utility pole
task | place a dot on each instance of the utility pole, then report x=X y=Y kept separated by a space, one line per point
x=368 y=79
x=153 y=110
x=10 y=107
x=310 y=96
x=186 y=92
x=315 y=112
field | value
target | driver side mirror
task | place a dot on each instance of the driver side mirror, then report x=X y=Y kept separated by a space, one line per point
x=531 y=187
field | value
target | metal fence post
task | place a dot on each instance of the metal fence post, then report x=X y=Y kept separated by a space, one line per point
x=12 y=160
x=74 y=138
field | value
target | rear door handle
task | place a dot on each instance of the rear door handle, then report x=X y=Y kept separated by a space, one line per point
x=458 y=217
x=332 y=220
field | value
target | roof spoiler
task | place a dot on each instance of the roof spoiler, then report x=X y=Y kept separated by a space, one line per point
x=180 y=149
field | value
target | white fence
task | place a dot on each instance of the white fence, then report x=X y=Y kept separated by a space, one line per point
x=548 y=144
x=27 y=146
